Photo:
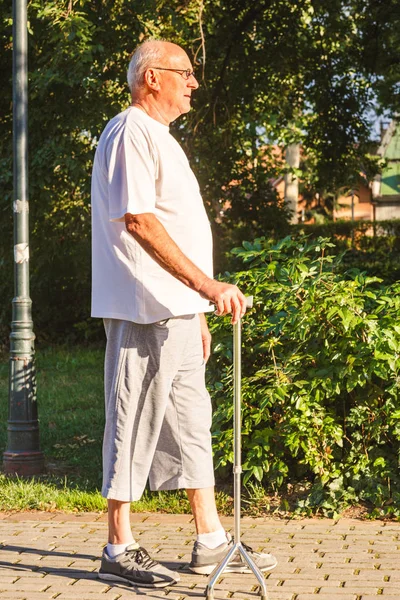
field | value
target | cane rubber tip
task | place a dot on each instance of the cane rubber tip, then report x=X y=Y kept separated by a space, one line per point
x=249 y=301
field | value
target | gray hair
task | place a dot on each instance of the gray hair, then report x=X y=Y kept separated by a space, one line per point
x=148 y=54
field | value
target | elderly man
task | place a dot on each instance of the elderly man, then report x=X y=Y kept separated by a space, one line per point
x=152 y=284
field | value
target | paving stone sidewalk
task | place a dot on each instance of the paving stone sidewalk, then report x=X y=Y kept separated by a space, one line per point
x=50 y=555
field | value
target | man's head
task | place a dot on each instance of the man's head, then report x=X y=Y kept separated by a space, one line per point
x=154 y=77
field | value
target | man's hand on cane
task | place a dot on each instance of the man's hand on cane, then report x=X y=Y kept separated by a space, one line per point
x=226 y=297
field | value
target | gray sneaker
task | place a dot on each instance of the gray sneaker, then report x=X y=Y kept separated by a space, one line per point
x=135 y=567
x=204 y=560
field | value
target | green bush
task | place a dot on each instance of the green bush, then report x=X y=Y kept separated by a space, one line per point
x=321 y=399
x=369 y=246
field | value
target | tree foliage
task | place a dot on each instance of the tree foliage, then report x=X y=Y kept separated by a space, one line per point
x=270 y=73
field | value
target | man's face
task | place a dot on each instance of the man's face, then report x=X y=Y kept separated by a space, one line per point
x=175 y=91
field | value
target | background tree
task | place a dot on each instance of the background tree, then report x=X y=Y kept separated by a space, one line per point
x=270 y=73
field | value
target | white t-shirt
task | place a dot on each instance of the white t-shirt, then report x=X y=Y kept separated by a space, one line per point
x=140 y=168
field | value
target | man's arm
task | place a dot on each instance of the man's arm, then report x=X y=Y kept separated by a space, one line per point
x=153 y=237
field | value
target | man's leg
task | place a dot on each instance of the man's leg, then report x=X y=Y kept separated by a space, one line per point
x=204 y=510
x=124 y=560
x=119 y=526
x=213 y=542
x=203 y=507
x=132 y=395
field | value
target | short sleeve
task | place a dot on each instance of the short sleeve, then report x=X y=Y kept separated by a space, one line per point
x=131 y=176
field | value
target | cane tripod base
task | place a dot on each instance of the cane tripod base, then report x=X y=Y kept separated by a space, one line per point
x=237 y=548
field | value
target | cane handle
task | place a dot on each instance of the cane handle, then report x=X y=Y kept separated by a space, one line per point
x=249 y=301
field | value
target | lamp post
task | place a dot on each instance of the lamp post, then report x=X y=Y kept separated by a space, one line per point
x=23 y=455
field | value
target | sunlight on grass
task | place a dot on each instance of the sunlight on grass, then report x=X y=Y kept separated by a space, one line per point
x=34 y=494
x=50 y=494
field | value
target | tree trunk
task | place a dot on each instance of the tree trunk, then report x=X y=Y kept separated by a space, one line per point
x=292 y=156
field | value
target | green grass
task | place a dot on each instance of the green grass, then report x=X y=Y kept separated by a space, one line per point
x=71 y=415
x=47 y=493
x=50 y=494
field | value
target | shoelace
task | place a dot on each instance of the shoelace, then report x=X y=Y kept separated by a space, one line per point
x=141 y=557
x=248 y=548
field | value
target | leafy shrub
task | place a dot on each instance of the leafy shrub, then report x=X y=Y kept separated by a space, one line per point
x=320 y=389
x=370 y=246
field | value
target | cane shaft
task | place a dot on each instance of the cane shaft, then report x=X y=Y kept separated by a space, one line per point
x=237 y=426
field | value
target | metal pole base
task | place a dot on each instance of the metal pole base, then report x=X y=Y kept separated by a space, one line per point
x=22 y=463
x=237 y=548
x=22 y=456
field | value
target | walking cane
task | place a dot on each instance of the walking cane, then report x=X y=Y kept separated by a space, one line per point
x=237 y=547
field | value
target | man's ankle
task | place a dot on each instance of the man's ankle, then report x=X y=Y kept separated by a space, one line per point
x=114 y=549
x=212 y=539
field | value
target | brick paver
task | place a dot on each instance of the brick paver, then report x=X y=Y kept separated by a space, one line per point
x=47 y=556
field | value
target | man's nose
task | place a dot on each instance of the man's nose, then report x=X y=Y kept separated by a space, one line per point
x=193 y=83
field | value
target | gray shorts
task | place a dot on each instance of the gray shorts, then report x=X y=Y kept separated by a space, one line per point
x=158 y=411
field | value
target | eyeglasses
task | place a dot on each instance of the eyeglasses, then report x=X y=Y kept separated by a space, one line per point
x=186 y=73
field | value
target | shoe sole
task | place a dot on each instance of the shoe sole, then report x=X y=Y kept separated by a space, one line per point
x=159 y=584
x=208 y=569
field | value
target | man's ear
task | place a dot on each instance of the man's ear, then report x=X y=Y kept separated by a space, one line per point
x=151 y=78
